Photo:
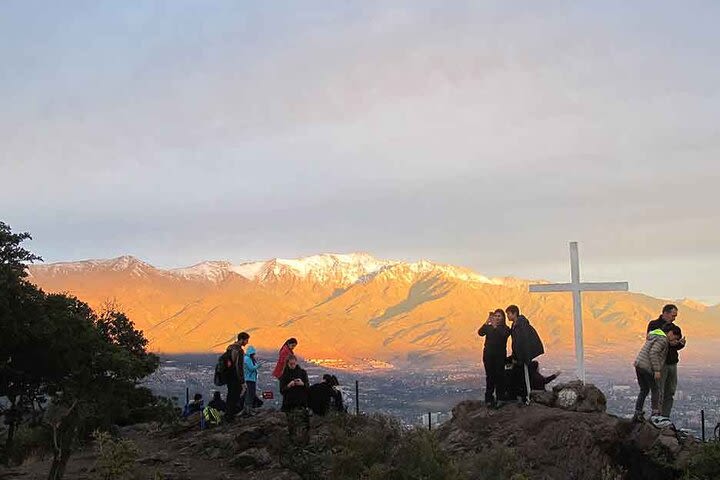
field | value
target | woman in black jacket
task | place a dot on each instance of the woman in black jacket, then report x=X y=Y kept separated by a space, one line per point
x=294 y=389
x=496 y=334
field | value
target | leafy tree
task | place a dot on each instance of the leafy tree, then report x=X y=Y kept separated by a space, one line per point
x=20 y=315
x=55 y=347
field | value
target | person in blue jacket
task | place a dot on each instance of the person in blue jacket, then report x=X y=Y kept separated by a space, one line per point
x=250 y=369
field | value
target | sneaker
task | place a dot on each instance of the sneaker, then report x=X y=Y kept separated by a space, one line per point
x=661 y=422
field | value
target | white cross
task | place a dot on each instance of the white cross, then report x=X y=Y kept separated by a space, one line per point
x=576 y=287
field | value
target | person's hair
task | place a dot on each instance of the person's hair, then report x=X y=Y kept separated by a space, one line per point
x=330 y=380
x=290 y=340
x=513 y=309
x=216 y=395
x=243 y=336
x=674 y=329
x=669 y=308
x=290 y=357
x=198 y=396
x=502 y=314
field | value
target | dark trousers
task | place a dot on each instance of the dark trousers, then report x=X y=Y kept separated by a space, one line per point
x=648 y=384
x=233 y=398
x=494 y=377
x=250 y=395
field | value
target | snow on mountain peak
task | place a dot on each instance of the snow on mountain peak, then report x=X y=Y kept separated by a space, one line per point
x=344 y=269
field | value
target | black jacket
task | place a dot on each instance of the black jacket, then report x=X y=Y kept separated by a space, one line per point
x=672 y=356
x=495 y=340
x=526 y=343
x=294 y=397
x=321 y=396
x=537 y=379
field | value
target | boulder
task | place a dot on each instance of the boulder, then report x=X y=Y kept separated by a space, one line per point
x=574 y=396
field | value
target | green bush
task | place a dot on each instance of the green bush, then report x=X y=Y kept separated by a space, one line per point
x=500 y=463
x=705 y=464
x=371 y=448
x=115 y=456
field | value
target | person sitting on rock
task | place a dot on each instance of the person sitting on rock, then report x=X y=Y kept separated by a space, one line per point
x=217 y=402
x=649 y=366
x=294 y=389
x=537 y=379
x=324 y=395
x=195 y=406
x=213 y=413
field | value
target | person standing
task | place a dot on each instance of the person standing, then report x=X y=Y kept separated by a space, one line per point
x=250 y=368
x=294 y=389
x=526 y=345
x=236 y=376
x=649 y=366
x=669 y=380
x=286 y=350
x=496 y=334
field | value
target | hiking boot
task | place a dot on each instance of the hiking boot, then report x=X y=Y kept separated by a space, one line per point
x=639 y=417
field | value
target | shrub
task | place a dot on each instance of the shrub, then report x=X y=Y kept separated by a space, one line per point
x=368 y=447
x=499 y=463
x=115 y=456
x=705 y=464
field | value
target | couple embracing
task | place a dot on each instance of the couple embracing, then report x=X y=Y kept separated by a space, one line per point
x=526 y=345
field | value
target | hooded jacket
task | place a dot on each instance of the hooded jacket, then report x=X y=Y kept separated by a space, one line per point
x=526 y=343
x=250 y=366
x=672 y=356
x=653 y=354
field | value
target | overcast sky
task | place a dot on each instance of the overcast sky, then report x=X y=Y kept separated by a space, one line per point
x=484 y=134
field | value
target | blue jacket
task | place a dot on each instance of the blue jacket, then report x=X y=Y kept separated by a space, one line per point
x=250 y=368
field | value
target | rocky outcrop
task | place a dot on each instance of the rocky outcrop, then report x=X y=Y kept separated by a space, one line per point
x=564 y=443
x=574 y=396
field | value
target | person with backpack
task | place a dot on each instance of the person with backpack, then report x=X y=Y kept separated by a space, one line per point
x=250 y=368
x=234 y=375
x=496 y=334
x=669 y=381
x=286 y=350
x=649 y=365
x=294 y=389
x=526 y=346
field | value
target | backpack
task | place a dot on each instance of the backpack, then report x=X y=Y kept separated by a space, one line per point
x=224 y=368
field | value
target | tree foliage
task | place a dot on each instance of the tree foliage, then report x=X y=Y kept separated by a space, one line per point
x=56 y=351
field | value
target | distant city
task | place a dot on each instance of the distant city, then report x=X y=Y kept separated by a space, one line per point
x=412 y=394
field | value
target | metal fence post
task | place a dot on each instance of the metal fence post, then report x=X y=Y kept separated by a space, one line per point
x=702 y=423
x=429 y=421
x=357 y=398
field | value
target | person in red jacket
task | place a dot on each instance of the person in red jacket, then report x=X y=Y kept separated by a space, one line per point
x=285 y=352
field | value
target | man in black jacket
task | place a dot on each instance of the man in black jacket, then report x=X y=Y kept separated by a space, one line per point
x=526 y=344
x=496 y=334
x=668 y=382
x=236 y=378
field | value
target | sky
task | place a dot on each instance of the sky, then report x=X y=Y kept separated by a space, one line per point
x=482 y=134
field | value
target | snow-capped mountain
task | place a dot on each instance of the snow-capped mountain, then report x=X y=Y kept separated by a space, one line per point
x=353 y=306
x=339 y=269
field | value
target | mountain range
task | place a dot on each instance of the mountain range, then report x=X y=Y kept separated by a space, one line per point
x=354 y=309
